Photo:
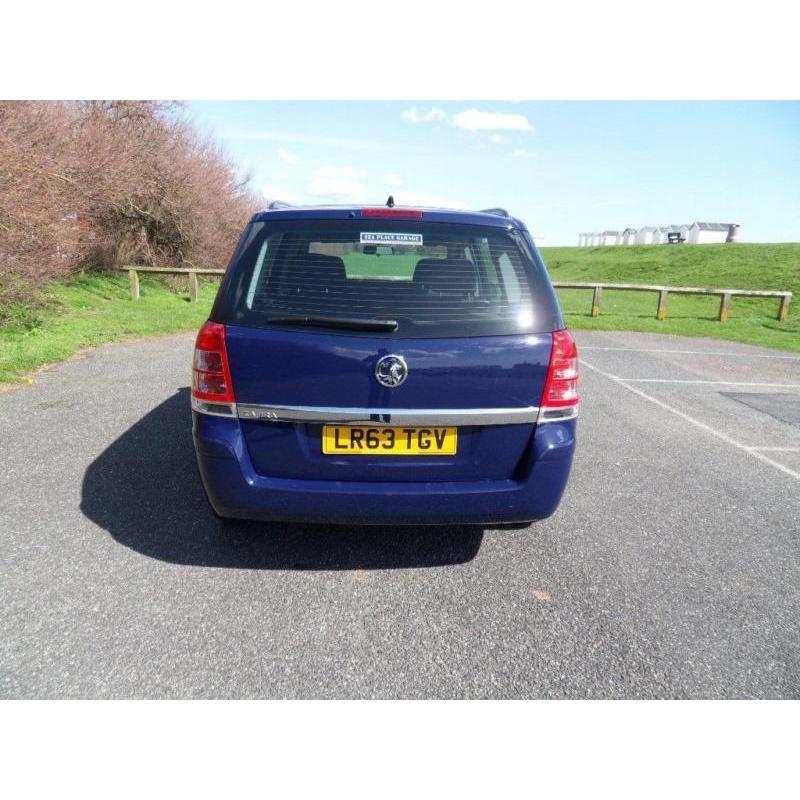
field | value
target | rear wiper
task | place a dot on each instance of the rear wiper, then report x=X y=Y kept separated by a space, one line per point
x=337 y=322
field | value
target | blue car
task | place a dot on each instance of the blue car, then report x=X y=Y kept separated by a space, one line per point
x=385 y=365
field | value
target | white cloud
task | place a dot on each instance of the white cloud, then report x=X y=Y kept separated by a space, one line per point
x=521 y=152
x=414 y=115
x=498 y=138
x=339 y=184
x=273 y=192
x=351 y=184
x=412 y=198
x=287 y=156
x=474 y=120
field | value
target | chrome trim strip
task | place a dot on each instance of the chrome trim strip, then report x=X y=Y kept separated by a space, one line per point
x=393 y=416
x=557 y=414
x=214 y=409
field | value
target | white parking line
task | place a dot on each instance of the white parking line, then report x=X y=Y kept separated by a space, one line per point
x=702 y=425
x=711 y=383
x=688 y=352
x=777 y=449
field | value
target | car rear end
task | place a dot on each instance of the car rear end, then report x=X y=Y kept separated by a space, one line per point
x=389 y=366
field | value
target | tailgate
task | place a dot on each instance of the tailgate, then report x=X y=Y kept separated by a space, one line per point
x=298 y=380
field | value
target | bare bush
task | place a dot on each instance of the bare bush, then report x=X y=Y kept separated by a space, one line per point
x=110 y=183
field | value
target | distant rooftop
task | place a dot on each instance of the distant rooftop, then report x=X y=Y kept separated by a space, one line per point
x=713 y=226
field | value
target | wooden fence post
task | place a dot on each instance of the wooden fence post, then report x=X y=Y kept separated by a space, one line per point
x=598 y=291
x=193 y=287
x=724 y=306
x=661 y=311
x=133 y=277
x=725 y=295
x=783 y=311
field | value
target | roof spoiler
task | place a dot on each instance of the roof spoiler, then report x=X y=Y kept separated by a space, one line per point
x=277 y=205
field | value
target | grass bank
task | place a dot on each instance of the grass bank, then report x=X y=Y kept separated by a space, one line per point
x=95 y=308
x=89 y=310
x=738 y=266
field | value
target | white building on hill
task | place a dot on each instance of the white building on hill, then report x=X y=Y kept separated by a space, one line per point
x=646 y=235
x=712 y=233
x=696 y=233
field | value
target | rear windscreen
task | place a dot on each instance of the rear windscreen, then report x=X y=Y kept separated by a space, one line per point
x=431 y=279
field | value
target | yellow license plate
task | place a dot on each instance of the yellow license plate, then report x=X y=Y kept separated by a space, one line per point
x=384 y=441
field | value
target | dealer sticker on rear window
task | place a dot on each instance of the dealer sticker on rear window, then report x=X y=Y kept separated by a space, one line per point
x=407 y=239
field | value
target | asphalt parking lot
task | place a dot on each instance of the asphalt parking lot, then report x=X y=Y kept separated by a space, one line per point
x=671 y=569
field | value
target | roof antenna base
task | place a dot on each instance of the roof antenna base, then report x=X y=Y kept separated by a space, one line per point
x=390 y=202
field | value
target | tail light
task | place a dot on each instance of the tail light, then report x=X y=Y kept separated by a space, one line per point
x=392 y=213
x=560 y=396
x=212 y=390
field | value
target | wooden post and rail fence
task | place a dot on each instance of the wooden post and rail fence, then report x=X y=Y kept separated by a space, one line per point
x=133 y=275
x=597 y=290
x=662 y=291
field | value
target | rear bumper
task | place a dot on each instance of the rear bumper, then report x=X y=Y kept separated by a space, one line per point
x=235 y=490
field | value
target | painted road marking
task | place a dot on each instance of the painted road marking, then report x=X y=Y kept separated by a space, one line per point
x=777 y=449
x=702 y=425
x=688 y=352
x=710 y=383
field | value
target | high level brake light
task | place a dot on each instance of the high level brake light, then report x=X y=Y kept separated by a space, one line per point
x=392 y=213
x=212 y=389
x=560 y=396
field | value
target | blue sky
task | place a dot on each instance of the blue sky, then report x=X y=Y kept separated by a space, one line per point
x=562 y=167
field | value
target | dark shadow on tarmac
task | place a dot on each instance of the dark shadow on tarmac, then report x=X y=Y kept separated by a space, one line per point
x=144 y=489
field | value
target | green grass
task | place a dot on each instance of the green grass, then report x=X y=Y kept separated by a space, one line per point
x=89 y=310
x=398 y=266
x=725 y=266
x=94 y=308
